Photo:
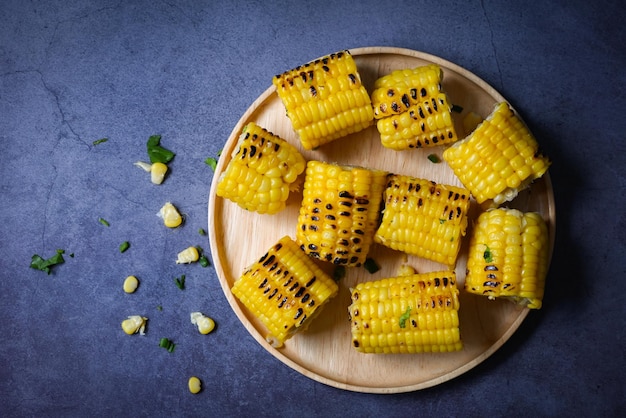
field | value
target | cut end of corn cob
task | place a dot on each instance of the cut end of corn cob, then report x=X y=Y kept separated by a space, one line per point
x=411 y=109
x=325 y=99
x=499 y=158
x=339 y=212
x=285 y=290
x=508 y=256
x=423 y=218
x=407 y=314
x=262 y=171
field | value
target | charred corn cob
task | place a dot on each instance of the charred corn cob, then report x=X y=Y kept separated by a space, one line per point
x=284 y=289
x=262 y=170
x=412 y=110
x=325 y=99
x=508 y=256
x=406 y=314
x=499 y=158
x=423 y=218
x=339 y=212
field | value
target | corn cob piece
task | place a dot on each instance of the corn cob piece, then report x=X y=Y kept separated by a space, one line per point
x=406 y=314
x=395 y=92
x=285 y=290
x=508 y=256
x=411 y=109
x=325 y=99
x=262 y=171
x=339 y=212
x=423 y=218
x=499 y=158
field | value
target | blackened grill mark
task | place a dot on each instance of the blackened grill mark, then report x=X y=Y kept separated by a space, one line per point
x=390 y=93
x=352 y=78
x=306 y=297
x=269 y=261
x=271 y=295
x=362 y=201
x=252 y=151
x=420 y=111
x=491 y=267
x=300 y=292
x=423 y=92
x=282 y=302
x=395 y=107
x=490 y=283
x=492 y=276
x=298 y=313
x=325 y=68
x=313 y=91
x=243 y=154
x=294 y=286
x=445 y=281
x=263 y=283
x=413 y=93
x=405 y=100
x=329 y=206
x=346 y=194
x=312 y=247
x=437 y=282
x=310 y=282
x=274 y=267
x=330 y=217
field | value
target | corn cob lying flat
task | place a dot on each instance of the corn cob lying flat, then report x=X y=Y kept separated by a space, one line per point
x=262 y=170
x=407 y=314
x=499 y=159
x=285 y=289
x=412 y=110
x=339 y=212
x=325 y=99
x=423 y=218
x=508 y=256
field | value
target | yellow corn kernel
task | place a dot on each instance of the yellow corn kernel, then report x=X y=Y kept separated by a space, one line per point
x=471 y=121
x=157 y=172
x=499 y=158
x=508 y=256
x=262 y=171
x=406 y=270
x=134 y=324
x=339 y=212
x=423 y=218
x=394 y=93
x=425 y=124
x=130 y=284
x=324 y=99
x=204 y=323
x=285 y=290
x=406 y=314
x=194 y=384
x=188 y=255
x=170 y=215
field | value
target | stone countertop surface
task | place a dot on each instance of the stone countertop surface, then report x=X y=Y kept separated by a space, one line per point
x=73 y=72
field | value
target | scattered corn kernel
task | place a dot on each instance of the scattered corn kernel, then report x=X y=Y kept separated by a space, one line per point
x=170 y=215
x=188 y=255
x=134 y=324
x=144 y=166
x=130 y=284
x=195 y=385
x=406 y=270
x=157 y=172
x=204 y=323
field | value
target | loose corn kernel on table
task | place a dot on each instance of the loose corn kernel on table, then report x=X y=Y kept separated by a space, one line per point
x=85 y=86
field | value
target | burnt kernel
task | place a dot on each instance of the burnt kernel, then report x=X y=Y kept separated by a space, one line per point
x=491 y=267
x=352 y=78
x=420 y=202
x=252 y=150
x=299 y=313
x=282 y=302
x=490 y=283
x=437 y=282
x=313 y=91
x=492 y=276
x=300 y=292
x=391 y=93
x=345 y=193
x=445 y=281
x=362 y=201
x=329 y=206
x=328 y=257
x=269 y=260
x=423 y=92
x=345 y=203
x=263 y=283
x=383 y=108
x=316 y=210
x=355 y=343
x=315 y=218
x=271 y=295
x=413 y=93
x=356 y=240
x=359 y=231
x=340 y=260
x=325 y=68
x=395 y=107
x=420 y=111
x=344 y=213
x=405 y=100
x=310 y=282
x=243 y=154
x=314 y=254
x=395 y=124
x=317 y=200
x=263 y=257
x=294 y=286
x=354 y=259
x=306 y=297
x=344 y=242
x=274 y=267
x=312 y=247
x=330 y=217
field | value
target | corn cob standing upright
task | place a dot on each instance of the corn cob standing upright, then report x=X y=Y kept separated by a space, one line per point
x=499 y=158
x=411 y=109
x=285 y=290
x=423 y=218
x=406 y=314
x=339 y=212
x=262 y=170
x=325 y=99
x=508 y=256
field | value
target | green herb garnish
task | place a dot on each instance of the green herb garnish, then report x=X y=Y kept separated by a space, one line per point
x=103 y=221
x=441 y=221
x=487 y=255
x=156 y=152
x=180 y=282
x=38 y=263
x=159 y=308
x=405 y=317
x=124 y=246
x=371 y=265
x=204 y=261
x=100 y=141
x=201 y=231
x=456 y=108
x=339 y=273
x=211 y=162
x=434 y=158
x=167 y=344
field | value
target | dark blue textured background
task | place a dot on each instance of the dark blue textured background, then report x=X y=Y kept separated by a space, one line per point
x=72 y=72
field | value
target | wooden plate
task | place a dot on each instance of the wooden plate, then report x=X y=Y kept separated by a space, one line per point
x=324 y=352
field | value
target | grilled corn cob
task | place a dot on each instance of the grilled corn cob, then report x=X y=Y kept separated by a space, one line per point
x=339 y=212
x=499 y=158
x=263 y=169
x=412 y=110
x=508 y=256
x=284 y=289
x=325 y=99
x=406 y=314
x=423 y=218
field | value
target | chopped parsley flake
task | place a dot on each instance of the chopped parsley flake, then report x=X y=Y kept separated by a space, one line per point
x=38 y=263
x=405 y=317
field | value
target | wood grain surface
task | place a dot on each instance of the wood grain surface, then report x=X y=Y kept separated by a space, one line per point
x=324 y=352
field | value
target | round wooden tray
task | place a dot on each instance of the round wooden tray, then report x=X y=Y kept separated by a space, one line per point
x=324 y=352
